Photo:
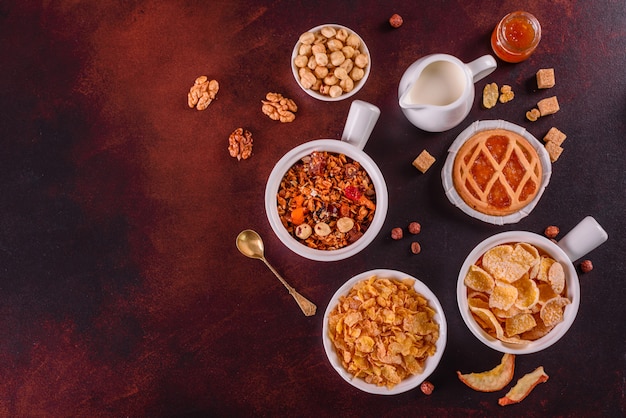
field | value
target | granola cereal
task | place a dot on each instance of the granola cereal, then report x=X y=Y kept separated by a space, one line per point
x=328 y=192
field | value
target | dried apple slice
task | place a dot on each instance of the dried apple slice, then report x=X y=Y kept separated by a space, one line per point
x=524 y=386
x=492 y=380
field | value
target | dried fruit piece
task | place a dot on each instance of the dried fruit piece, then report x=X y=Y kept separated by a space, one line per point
x=416 y=248
x=491 y=380
x=524 y=386
x=490 y=95
x=240 y=144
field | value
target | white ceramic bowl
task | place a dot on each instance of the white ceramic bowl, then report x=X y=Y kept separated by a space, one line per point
x=357 y=84
x=431 y=363
x=333 y=146
x=572 y=292
x=448 y=182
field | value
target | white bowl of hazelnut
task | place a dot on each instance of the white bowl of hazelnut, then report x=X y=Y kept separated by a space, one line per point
x=330 y=62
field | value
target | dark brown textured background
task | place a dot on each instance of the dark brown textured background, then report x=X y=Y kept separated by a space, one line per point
x=121 y=290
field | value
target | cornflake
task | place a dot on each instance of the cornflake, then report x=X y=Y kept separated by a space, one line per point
x=383 y=331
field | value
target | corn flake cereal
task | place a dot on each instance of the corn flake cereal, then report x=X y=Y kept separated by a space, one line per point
x=383 y=331
x=515 y=292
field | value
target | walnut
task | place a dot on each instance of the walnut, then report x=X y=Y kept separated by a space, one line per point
x=279 y=108
x=240 y=144
x=202 y=92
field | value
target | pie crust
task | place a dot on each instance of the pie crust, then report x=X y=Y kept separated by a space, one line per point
x=497 y=172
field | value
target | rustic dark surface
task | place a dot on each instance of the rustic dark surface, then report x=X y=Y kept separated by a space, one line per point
x=121 y=290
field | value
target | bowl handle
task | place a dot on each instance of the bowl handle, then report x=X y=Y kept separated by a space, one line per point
x=360 y=123
x=583 y=238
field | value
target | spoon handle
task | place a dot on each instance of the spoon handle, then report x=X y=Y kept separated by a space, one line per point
x=308 y=307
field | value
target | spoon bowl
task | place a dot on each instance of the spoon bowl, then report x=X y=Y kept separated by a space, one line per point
x=250 y=244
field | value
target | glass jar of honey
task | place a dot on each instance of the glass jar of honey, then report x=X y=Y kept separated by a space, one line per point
x=516 y=37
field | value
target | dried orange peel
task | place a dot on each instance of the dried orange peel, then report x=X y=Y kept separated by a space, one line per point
x=524 y=386
x=491 y=380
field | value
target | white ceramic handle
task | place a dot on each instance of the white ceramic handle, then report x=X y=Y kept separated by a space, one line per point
x=360 y=123
x=585 y=237
x=481 y=67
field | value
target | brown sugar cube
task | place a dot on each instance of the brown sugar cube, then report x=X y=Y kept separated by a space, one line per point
x=554 y=150
x=423 y=161
x=548 y=106
x=555 y=136
x=545 y=78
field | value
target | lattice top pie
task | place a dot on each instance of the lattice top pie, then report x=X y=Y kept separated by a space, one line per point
x=497 y=172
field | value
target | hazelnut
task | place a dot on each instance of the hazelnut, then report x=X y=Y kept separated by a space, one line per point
x=396 y=233
x=551 y=231
x=586 y=266
x=345 y=224
x=322 y=229
x=416 y=248
x=303 y=231
x=395 y=20
x=415 y=228
x=427 y=387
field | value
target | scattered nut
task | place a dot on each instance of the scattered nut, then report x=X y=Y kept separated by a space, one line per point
x=202 y=93
x=427 y=387
x=415 y=228
x=490 y=95
x=322 y=229
x=395 y=20
x=551 y=231
x=586 y=266
x=533 y=114
x=303 y=231
x=396 y=233
x=506 y=94
x=240 y=144
x=279 y=108
x=345 y=224
x=416 y=248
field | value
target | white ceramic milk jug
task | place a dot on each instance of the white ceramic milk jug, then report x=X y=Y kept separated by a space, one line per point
x=436 y=92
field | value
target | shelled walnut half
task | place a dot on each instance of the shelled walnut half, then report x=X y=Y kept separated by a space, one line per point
x=240 y=144
x=279 y=108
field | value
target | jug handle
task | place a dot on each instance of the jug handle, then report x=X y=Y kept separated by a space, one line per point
x=360 y=123
x=583 y=238
x=481 y=67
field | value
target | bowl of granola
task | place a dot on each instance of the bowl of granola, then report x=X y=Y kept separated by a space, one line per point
x=326 y=199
